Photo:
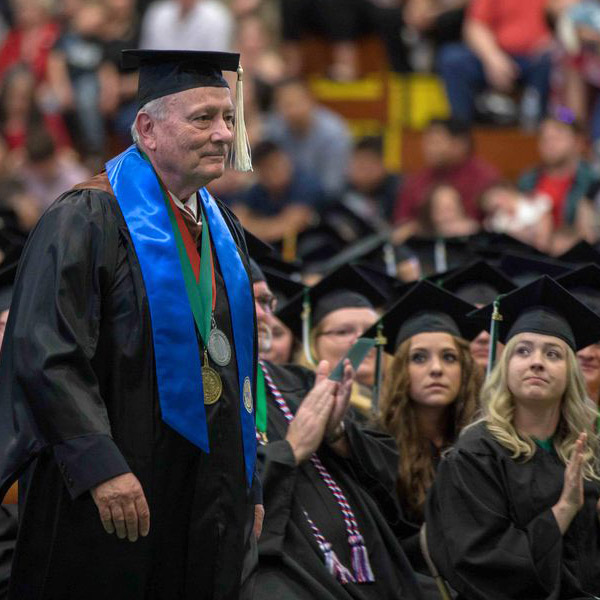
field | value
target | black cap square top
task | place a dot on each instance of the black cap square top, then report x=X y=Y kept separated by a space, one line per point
x=544 y=307
x=478 y=283
x=584 y=284
x=165 y=72
x=425 y=308
x=346 y=287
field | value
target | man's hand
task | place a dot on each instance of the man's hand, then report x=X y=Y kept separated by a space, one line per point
x=306 y=431
x=122 y=506
x=501 y=71
x=259 y=517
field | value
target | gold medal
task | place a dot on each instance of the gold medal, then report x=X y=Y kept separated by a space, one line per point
x=248 y=402
x=211 y=381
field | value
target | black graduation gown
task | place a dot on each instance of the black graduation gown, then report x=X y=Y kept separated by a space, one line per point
x=491 y=530
x=291 y=566
x=77 y=369
x=8 y=537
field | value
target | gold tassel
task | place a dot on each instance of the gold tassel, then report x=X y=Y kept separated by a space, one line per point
x=241 y=159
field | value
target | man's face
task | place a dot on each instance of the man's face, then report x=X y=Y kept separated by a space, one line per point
x=366 y=171
x=439 y=147
x=193 y=140
x=295 y=105
x=264 y=304
x=275 y=172
x=557 y=143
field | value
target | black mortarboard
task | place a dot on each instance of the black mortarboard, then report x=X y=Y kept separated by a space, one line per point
x=582 y=252
x=523 y=269
x=346 y=287
x=491 y=245
x=437 y=255
x=164 y=72
x=284 y=288
x=384 y=283
x=584 y=284
x=478 y=283
x=316 y=246
x=7 y=280
x=256 y=273
x=285 y=267
x=425 y=308
x=543 y=306
x=257 y=249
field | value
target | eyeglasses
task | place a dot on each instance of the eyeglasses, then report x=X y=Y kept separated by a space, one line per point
x=267 y=302
x=343 y=334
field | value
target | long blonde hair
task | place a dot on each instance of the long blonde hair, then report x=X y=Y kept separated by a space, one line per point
x=416 y=469
x=577 y=414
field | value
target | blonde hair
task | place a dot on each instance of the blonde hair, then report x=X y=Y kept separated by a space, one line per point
x=577 y=414
x=416 y=469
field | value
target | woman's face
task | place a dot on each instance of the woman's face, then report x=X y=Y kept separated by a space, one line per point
x=434 y=369
x=446 y=207
x=480 y=348
x=18 y=97
x=537 y=369
x=338 y=331
x=589 y=362
x=282 y=342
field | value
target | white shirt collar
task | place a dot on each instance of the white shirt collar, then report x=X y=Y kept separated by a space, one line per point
x=191 y=203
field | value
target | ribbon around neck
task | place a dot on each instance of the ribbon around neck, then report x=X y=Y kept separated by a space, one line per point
x=177 y=357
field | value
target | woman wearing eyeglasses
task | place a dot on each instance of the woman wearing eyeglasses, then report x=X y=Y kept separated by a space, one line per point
x=330 y=319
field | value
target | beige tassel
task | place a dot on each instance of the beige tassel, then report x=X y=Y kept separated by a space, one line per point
x=241 y=159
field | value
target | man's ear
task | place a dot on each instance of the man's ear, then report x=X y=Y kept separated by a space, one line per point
x=145 y=128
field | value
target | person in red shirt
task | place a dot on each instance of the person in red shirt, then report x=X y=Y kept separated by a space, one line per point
x=562 y=173
x=30 y=40
x=449 y=158
x=506 y=43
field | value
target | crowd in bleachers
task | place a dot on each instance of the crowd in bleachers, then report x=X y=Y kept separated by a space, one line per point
x=325 y=195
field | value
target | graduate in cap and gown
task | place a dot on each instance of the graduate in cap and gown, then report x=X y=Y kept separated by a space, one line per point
x=328 y=489
x=127 y=399
x=513 y=512
x=330 y=316
x=479 y=284
x=584 y=284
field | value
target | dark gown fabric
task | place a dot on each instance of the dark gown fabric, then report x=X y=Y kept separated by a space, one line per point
x=491 y=530
x=78 y=365
x=291 y=565
x=8 y=537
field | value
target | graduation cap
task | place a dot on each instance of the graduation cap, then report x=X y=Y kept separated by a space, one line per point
x=425 y=308
x=543 y=306
x=440 y=254
x=8 y=273
x=492 y=245
x=581 y=253
x=316 y=246
x=273 y=261
x=584 y=284
x=346 y=287
x=284 y=288
x=523 y=269
x=165 y=72
x=478 y=283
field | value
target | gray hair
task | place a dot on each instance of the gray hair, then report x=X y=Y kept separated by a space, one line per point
x=156 y=109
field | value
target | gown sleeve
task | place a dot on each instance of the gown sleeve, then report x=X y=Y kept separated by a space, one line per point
x=54 y=324
x=476 y=544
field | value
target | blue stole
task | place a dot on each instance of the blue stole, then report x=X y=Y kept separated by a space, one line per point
x=177 y=357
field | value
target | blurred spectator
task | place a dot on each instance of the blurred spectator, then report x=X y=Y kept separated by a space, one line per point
x=187 y=25
x=119 y=86
x=283 y=200
x=30 y=39
x=73 y=73
x=19 y=210
x=563 y=175
x=372 y=189
x=317 y=139
x=579 y=33
x=47 y=174
x=338 y=24
x=449 y=158
x=261 y=61
x=508 y=210
x=443 y=214
x=21 y=113
x=506 y=43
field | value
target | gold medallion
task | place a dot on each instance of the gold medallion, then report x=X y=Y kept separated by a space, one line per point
x=248 y=403
x=211 y=382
